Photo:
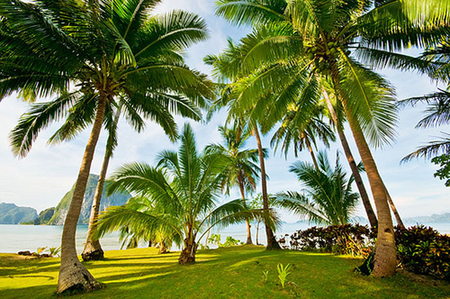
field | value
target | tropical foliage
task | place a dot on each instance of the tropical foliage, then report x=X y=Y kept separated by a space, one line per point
x=91 y=55
x=242 y=169
x=320 y=46
x=327 y=198
x=182 y=194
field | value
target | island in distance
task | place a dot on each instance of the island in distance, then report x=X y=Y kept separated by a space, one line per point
x=12 y=214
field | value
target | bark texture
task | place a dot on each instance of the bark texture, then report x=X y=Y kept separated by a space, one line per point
x=73 y=276
x=394 y=211
x=187 y=255
x=385 y=252
x=311 y=152
x=92 y=248
x=351 y=161
x=271 y=240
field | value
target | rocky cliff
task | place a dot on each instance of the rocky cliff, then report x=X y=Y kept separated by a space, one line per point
x=63 y=206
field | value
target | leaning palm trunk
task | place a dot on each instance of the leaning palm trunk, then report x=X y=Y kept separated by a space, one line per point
x=73 y=276
x=92 y=249
x=249 y=234
x=311 y=152
x=351 y=161
x=385 y=252
x=394 y=211
x=271 y=241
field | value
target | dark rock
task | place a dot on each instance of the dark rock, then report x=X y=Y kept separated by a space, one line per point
x=26 y=253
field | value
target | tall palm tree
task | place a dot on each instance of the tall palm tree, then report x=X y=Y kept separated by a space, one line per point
x=351 y=161
x=301 y=131
x=242 y=170
x=223 y=69
x=92 y=55
x=319 y=37
x=183 y=190
x=328 y=197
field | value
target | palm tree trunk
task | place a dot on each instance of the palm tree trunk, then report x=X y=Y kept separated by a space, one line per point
x=257 y=233
x=313 y=157
x=394 y=211
x=351 y=161
x=187 y=255
x=271 y=241
x=73 y=276
x=385 y=252
x=249 y=234
x=92 y=248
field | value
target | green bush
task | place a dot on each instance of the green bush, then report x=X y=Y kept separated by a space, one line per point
x=230 y=241
x=420 y=249
x=341 y=239
x=423 y=250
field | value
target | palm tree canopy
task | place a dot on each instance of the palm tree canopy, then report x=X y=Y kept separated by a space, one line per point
x=328 y=197
x=183 y=190
x=85 y=51
x=294 y=40
x=241 y=165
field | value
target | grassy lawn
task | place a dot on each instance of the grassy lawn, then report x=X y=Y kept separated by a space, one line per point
x=236 y=272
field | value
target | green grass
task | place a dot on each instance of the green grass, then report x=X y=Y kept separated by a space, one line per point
x=222 y=273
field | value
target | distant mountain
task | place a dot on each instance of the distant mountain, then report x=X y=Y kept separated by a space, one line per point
x=429 y=219
x=45 y=216
x=63 y=206
x=12 y=214
x=426 y=220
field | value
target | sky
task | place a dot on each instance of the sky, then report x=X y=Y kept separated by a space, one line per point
x=42 y=178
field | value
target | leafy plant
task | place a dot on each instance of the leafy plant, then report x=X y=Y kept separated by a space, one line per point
x=283 y=272
x=40 y=250
x=355 y=240
x=230 y=241
x=266 y=275
x=214 y=239
x=54 y=251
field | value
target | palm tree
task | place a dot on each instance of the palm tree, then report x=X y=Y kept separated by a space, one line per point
x=183 y=190
x=319 y=37
x=438 y=109
x=106 y=52
x=301 y=131
x=328 y=197
x=241 y=170
x=223 y=68
x=92 y=248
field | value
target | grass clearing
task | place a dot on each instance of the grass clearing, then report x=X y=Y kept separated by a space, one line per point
x=236 y=272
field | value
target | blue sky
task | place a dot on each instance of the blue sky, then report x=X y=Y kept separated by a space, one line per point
x=42 y=178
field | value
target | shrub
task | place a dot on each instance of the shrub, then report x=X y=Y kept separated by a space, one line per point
x=230 y=241
x=423 y=250
x=420 y=249
x=341 y=239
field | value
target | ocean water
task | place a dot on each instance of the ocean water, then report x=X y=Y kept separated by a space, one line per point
x=14 y=238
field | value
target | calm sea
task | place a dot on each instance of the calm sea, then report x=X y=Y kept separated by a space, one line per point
x=14 y=238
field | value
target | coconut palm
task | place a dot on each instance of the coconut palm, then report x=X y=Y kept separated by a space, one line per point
x=319 y=37
x=242 y=170
x=328 y=197
x=301 y=131
x=184 y=190
x=93 y=55
x=438 y=109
